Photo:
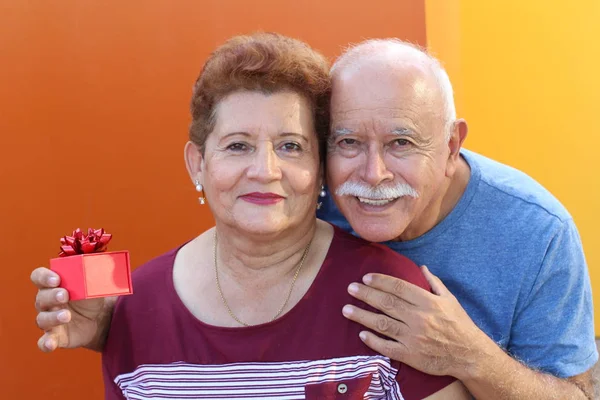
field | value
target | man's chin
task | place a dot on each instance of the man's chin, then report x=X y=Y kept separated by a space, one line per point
x=375 y=226
x=377 y=232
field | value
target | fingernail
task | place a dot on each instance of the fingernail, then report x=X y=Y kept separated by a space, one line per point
x=353 y=288
x=53 y=281
x=63 y=316
x=60 y=296
x=347 y=310
x=367 y=279
x=362 y=336
x=49 y=344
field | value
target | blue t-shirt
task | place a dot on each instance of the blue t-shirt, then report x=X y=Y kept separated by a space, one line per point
x=512 y=256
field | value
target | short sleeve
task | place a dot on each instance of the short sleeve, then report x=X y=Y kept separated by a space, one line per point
x=554 y=327
x=111 y=390
x=116 y=355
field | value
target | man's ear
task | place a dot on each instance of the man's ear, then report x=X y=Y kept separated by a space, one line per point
x=193 y=161
x=457 y=138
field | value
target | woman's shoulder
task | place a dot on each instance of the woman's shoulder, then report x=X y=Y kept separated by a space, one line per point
x=155 y=267
x=369 y=257
x=150 y=278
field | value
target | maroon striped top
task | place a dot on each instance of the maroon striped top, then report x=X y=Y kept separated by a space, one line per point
x=157 y=349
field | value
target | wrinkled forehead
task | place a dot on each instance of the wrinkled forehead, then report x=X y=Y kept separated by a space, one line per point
x=377 y=122
x=251 y=111
x=382 y=98
x=379 y=112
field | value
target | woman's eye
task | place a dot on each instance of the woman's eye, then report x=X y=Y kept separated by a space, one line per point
x=237 y=147
x=291 y=146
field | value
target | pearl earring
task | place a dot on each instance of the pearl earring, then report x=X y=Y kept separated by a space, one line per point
x=199 y=188
x=322 y=194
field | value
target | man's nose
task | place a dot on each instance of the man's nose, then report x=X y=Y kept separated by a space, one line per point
x=265 y=164
x=375 y=170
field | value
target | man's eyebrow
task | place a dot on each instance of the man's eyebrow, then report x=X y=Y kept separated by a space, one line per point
x=408 y=132
x=396 y=131
x=342 y=131
x=411 y=133
x=402 y=131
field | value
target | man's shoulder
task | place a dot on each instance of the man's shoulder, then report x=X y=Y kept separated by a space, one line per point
x=352 y=246
x=502 y=185
x=368 y=257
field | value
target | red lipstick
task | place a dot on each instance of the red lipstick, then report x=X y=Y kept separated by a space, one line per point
x=262 y=198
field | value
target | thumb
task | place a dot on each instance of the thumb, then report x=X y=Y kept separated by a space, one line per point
x=437 y=286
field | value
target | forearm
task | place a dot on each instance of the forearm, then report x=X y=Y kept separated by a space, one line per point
x=500 y=377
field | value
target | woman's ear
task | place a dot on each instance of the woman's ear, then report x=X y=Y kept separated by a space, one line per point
x=193 y=161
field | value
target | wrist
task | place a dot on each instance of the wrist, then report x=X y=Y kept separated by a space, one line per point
x=479 y=361
x=102 y=326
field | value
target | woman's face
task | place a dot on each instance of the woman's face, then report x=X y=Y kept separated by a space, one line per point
x=260 y=170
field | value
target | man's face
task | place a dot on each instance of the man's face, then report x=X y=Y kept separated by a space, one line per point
x=387 y=155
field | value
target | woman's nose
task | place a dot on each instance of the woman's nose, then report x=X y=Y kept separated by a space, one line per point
x=265 y=164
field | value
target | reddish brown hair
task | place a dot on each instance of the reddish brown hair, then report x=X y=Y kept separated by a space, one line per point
x=265 y=62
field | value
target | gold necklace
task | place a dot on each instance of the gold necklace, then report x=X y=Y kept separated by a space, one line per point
x=286 y=299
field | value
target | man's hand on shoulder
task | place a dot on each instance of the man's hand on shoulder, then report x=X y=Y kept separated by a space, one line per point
x=428 y=331
x=431 y=332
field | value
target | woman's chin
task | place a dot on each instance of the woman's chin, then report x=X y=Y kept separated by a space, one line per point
x=263 y=227
x=259 y=222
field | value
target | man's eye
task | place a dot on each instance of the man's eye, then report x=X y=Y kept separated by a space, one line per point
x=291 y=146
x=347 y=142
x=237 y=147
x=401 y=143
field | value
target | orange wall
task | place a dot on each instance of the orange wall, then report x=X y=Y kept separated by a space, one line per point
x=528 y=83
x=93 y=117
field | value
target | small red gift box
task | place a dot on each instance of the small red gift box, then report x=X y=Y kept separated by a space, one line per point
x=87 y=271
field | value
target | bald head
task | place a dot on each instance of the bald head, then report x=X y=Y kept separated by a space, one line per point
x=395 y=59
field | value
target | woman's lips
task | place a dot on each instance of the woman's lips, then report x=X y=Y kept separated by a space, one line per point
x=262 y=198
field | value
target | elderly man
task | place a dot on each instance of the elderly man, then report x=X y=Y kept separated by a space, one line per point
x=501 y=243
x=521 y=324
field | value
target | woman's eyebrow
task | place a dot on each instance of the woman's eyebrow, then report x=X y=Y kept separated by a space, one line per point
x=295 y=134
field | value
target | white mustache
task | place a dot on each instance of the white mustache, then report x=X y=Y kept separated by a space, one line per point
x=376 y=193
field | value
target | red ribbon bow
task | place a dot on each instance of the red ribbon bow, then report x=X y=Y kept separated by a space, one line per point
x=79 y=243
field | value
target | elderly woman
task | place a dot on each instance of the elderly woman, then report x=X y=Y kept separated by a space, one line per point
x=252 y=307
